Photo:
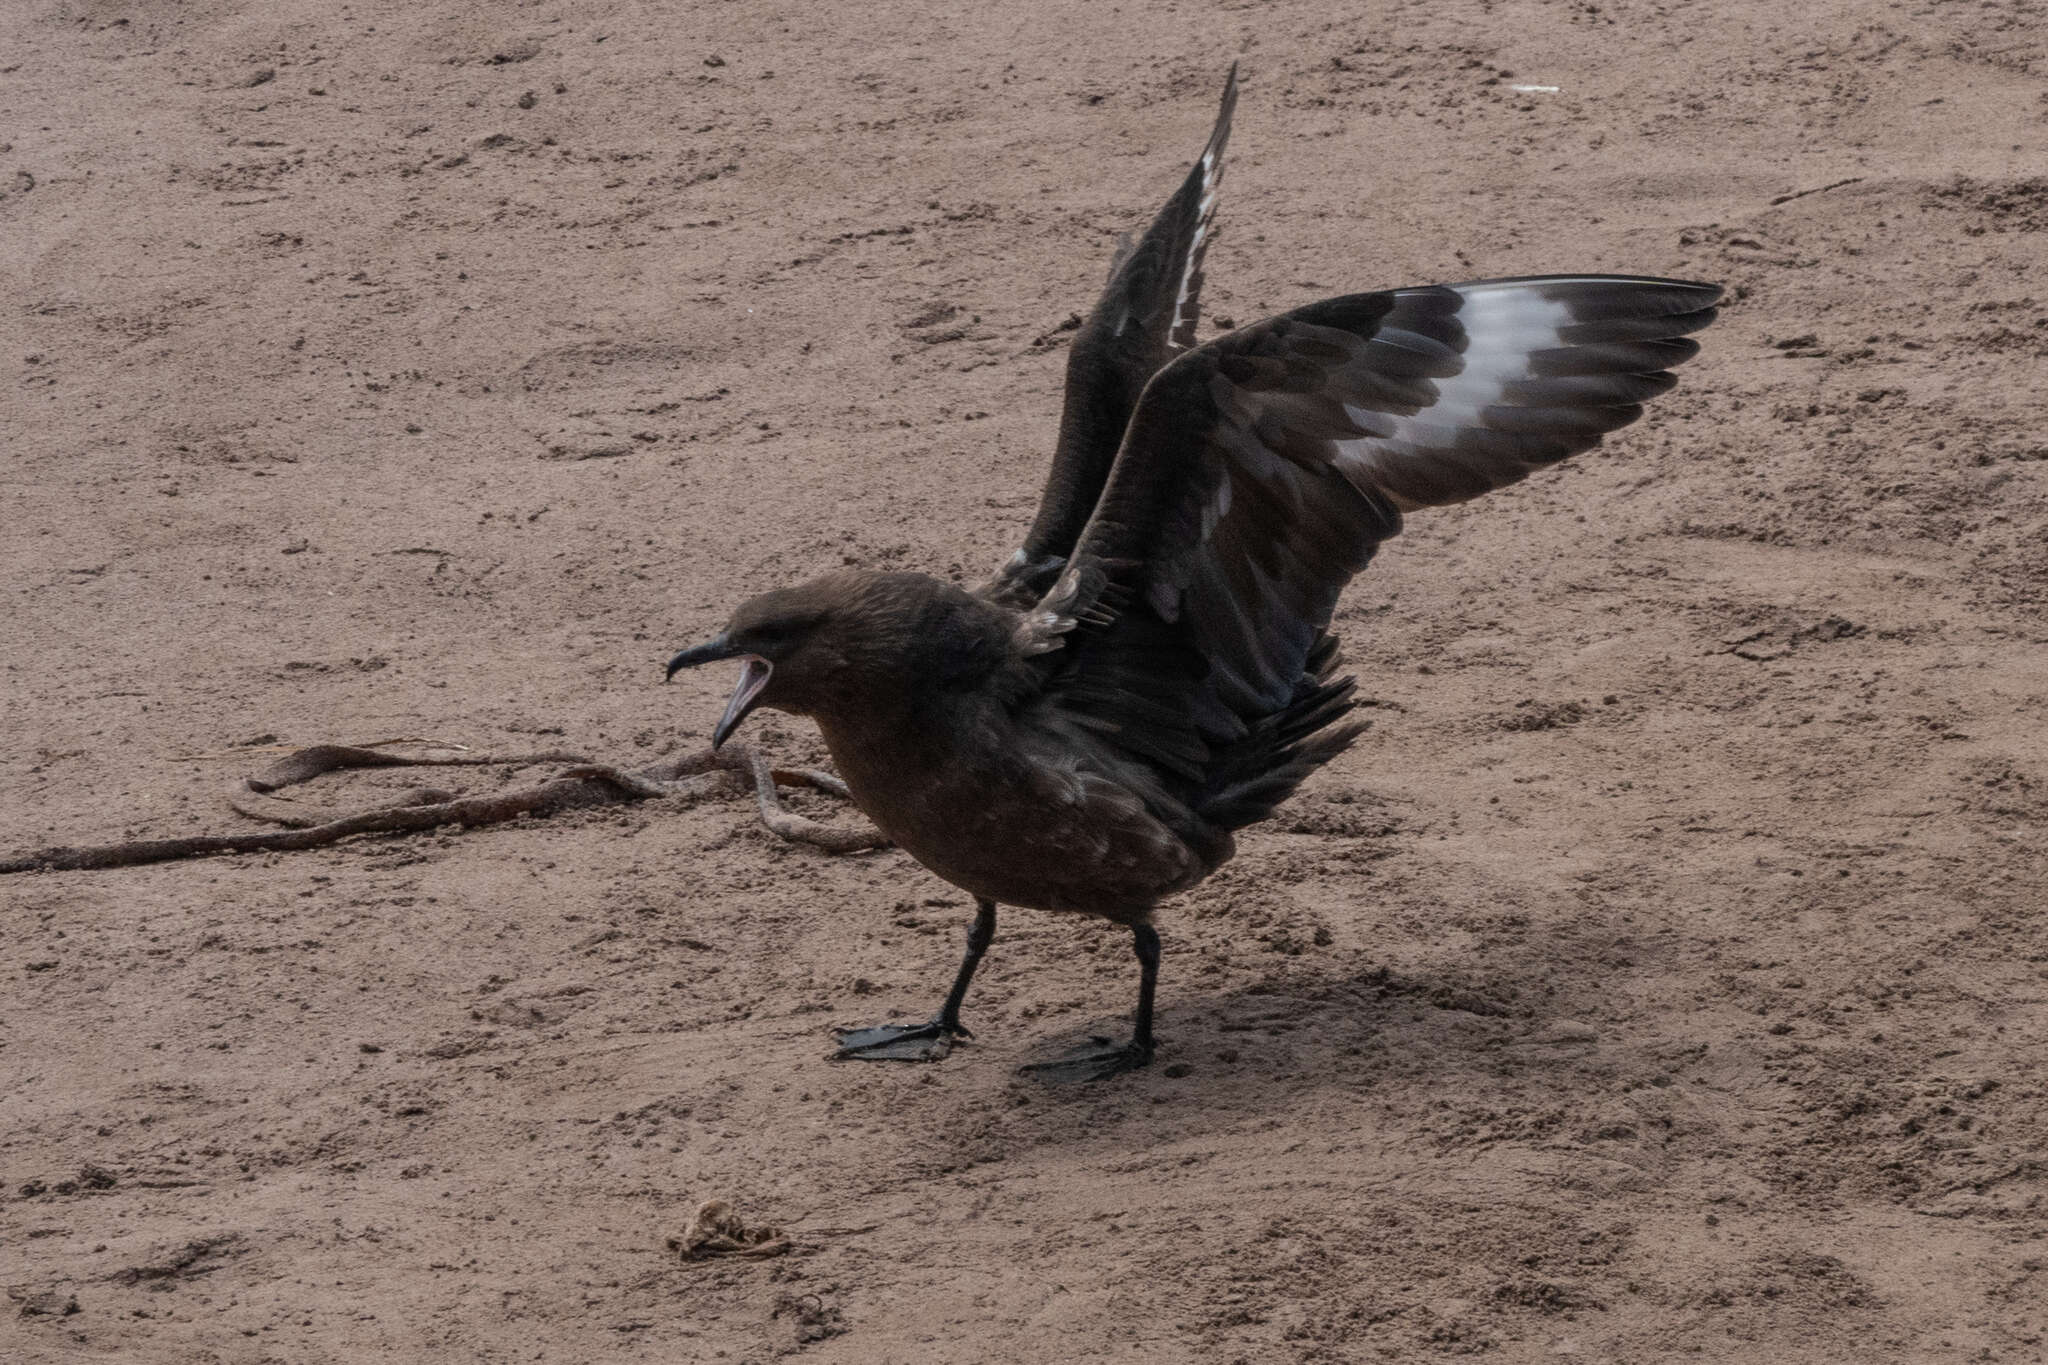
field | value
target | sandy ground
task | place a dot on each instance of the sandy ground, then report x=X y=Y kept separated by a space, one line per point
x=1661 y=979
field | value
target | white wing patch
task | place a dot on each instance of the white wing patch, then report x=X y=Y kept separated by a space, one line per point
x=1212 y=176
x=1503 y=325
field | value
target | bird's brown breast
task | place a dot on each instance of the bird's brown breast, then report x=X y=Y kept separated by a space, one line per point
x=973 y=794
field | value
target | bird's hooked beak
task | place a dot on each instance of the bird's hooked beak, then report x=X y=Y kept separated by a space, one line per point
x=753 y=677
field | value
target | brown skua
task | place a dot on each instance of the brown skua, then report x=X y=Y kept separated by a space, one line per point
x=1152 y=670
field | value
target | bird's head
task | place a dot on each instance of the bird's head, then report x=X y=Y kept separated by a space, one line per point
x=844 y=643
x=776 y=636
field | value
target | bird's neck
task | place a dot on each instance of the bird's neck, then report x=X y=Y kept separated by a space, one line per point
x=893 y=756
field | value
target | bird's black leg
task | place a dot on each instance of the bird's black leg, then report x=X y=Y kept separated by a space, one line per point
x=930 y=1041
x=1103 y=1058
x=980 y=934
x=1147 y=949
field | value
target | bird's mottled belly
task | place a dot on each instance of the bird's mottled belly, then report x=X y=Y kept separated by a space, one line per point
x=1001 y=823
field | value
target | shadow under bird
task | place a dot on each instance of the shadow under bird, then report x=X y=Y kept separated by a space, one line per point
x=1153 y=669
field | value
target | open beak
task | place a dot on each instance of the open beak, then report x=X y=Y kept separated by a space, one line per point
x=753 y=677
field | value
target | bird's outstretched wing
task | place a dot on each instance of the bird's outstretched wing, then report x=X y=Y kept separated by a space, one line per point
x=1146 y=316
x=1261 y=471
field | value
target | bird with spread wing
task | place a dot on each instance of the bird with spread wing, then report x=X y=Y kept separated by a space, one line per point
x=1153 y=669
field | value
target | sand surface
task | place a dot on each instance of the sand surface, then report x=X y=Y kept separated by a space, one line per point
x=1662 y=978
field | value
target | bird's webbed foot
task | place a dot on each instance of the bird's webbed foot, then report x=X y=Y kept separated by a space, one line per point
x=926 y=1042
x=930 y=1041
x=1100 y=1060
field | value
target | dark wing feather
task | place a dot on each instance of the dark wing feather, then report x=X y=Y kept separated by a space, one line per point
x=1146 y=316
x=1262 y=471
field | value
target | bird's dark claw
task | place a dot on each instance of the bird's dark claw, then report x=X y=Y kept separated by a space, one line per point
x=1096 y=1062
x=927 y=1042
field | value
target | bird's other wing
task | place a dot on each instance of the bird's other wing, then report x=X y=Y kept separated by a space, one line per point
x=1261 y=472
x=1146 y=316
